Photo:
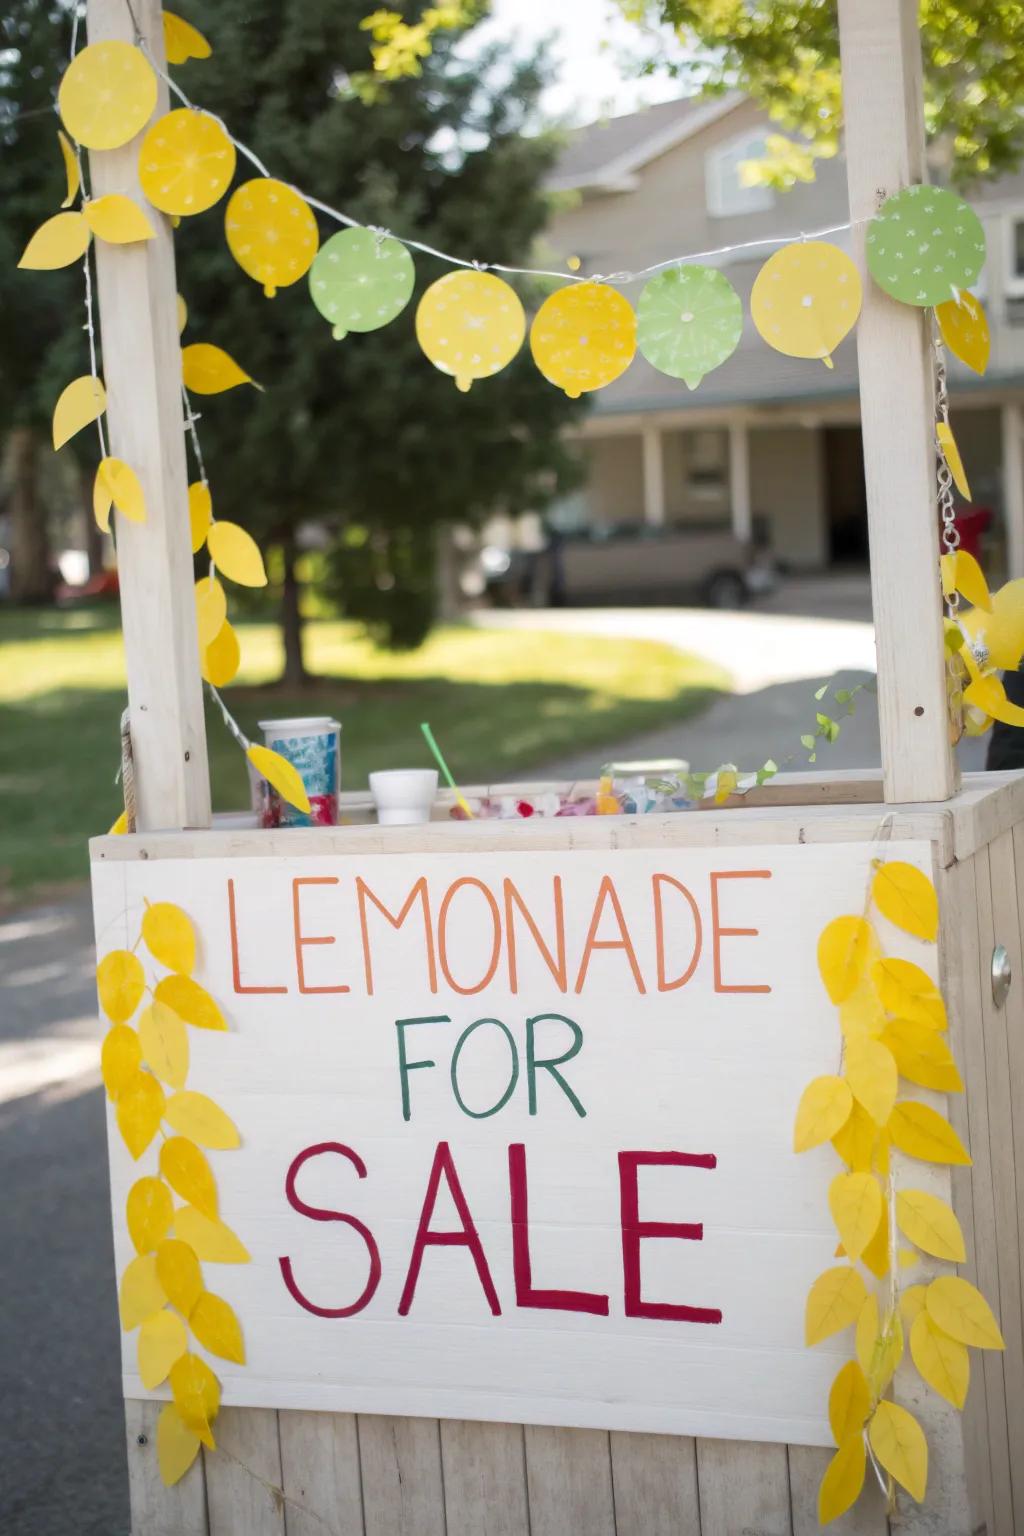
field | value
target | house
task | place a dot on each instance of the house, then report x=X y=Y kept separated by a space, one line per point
x=766 y=441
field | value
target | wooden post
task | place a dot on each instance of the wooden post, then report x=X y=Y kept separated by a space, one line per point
x=739 y=480
x=883 y=114
x=142 y=372
x=654 y=476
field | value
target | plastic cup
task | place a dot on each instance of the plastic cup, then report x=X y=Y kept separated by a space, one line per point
x=312 y=744
x=403 y=796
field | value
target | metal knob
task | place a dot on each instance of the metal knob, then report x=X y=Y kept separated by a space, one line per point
x=1002 y=975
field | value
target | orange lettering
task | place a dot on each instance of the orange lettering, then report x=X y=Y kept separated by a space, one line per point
x=442 y=939
x=419 y=890
x=718 y=932
x=557 y=967
x=235 y=967
x=301 y=939
x=607 y=893
x=664 y=985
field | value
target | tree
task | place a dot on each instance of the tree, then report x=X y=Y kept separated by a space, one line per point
x=785 y=55
x=41 y=341
x=364 y=435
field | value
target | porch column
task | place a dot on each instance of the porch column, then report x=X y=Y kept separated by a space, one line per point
x=654 y=477
x=739 y=480
x=1012 y=423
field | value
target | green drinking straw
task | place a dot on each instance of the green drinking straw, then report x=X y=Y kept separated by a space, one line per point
x=456 y=791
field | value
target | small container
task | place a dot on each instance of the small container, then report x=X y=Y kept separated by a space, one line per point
x=312 y=744
x=403 y=796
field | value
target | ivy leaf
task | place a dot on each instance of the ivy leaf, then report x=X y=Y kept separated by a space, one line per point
x=906 y=896
x=898 y=1441
x=833 y=1302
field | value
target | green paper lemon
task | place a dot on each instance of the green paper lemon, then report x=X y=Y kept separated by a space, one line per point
x=688 y=321
x=361 y=280
x=924 y=245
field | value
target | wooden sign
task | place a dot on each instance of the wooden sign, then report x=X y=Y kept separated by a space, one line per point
x=517 y=1128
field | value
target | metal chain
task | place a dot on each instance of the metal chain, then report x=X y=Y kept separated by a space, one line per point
x=947 y=508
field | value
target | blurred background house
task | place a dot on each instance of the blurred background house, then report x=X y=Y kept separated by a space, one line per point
x=767 y=444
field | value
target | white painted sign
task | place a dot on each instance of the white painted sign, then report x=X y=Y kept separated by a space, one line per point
x=517 y=1128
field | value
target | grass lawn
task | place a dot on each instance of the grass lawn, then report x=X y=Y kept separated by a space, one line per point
x=499 y=702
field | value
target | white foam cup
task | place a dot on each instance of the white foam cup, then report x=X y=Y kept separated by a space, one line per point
x=403 y=796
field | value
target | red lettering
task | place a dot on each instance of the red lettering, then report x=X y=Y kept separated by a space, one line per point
x=526 y=1294
x=442 y=936
x=418 y=892
x=235 y=967
x=466 y=1237
x=316 y=1214
x=718 y=932
x=634 y=1231
x=301 y=939
x=557 y=966
x=607 y=892
x=664 y=985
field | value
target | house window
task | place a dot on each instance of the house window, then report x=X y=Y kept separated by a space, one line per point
x=726 y=194
x=1015 y=257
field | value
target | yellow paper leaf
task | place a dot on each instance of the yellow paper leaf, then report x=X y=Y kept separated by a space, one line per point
x=912 y=1301
x=195 y=1115
x=969 y=579
x=236 y=554
x=217 y=1328
x=140 y=1109
x=907 y=898
x=149 y=1211
x=920 y=1131
x=164 y=1041
x=872 y=1076
x=908 y=1257
x=196 y=1396
x=862 y=1012
x=177 y=1269
x=922 y=1055
x=189 y=1174
x=845 y=948
x=209 y=370
x=855 y=1201
x=168 y=934
x=71 y=170
x=876 y=1255
x=824 y=1109
x=989 y=694
x=279 y=772
x=888 y=1353
x=182 y=316
x=833 y=1302
x=211 y=610
x=120 y=981
x=57 y=243
x=189 y=1001
x=116 y=219
x=176 y=1445
x=943 y=1362
x=961 y=1311
x=951 y=454
x=141 y=1293
x=928 y=1221
x=1001 y=631
x=880 y=1156
x=843 y=1479
x=866 y=1334
x=908 y=991
x=200 y=510
x=220 y=661
x=120 y=1058
x=163 y=1339
x=119 y=827
x=855 y=1142
x=964 y=328
x=83 y=400
x=182 y=41
x=118 y=485
x=848 y=1402
x=899 y=1443
x=211 y=1240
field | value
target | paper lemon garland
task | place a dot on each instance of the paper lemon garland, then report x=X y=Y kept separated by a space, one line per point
x=361 y=280
x=806 y=298
x=107 y=95
x=470 y=325
x=689 y=320
x=271 y=233
x=924 y=245
x=186 y=162
x=893 y=1024
x=162 y=1291
x=583 y=337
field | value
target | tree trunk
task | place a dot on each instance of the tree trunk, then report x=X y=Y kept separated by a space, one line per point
x=294 y=674
x=31 y=577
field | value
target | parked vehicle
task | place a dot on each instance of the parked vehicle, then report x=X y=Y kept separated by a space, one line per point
x=630 y=562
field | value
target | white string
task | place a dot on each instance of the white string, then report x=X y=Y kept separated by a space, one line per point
x=229 y=719
x=90 y=319
x=618 y=278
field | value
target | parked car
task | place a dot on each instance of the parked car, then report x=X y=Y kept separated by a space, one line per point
x=630 y=562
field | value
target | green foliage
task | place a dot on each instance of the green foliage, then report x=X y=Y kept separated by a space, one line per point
x=365 y=434
x=785 y=54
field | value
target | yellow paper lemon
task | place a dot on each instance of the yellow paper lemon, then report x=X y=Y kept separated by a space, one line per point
x=470 y=325
x=806 y=298
x=271 y=233
x=107 y=95
x=186 y=162
x=583 y=337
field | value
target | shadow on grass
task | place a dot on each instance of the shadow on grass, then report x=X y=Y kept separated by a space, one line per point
x=59 y=751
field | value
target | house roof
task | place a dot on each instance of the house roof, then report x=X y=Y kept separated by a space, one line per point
x=606 y=154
